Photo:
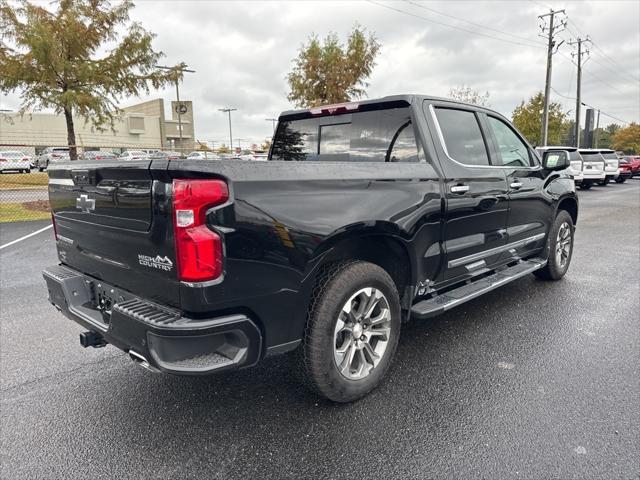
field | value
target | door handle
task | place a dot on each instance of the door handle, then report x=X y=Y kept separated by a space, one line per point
x=459 y=189
x=516 y=185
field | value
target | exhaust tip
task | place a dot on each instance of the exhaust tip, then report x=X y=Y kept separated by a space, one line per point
x=140 y=360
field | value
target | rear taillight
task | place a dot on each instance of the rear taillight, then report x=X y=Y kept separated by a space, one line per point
x=199 y=251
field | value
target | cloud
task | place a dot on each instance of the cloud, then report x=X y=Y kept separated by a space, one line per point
x=242 y=52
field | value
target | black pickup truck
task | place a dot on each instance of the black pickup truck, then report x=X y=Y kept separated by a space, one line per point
x=366 y=215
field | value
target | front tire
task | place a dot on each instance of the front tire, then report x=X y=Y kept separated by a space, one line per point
x=559 y=248
x=352 y=331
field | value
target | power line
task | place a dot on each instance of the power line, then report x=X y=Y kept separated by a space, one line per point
x=590 y=106
x=618 y=67
x=473 y=32
x=473 y=23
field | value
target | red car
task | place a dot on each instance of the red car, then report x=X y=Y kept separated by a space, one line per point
x=634 y=162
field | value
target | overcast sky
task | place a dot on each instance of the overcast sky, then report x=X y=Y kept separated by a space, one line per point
x=242 y=51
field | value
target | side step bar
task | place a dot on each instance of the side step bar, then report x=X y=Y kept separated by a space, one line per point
x=446 y=301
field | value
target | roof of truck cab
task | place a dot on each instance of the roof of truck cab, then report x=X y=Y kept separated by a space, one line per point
x=409 y=98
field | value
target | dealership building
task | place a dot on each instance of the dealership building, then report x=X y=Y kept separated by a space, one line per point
x=141 y=126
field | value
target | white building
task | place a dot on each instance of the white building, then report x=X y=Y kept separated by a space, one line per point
x=141 y=126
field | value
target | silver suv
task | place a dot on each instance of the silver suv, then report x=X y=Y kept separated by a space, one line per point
x=51 y=154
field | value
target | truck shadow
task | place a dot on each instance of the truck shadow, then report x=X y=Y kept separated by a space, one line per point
x=448 y=375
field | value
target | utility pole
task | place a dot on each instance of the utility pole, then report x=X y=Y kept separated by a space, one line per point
x=229 y=110
x=597 y=131
x=181 y=69
x=550 y=51
x=579 y=43
x=273 y=121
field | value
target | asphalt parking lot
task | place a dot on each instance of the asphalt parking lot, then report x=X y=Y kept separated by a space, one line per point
x=535 y=380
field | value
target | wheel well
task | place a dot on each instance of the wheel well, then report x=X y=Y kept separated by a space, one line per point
x=570 y=206
x=384 y=251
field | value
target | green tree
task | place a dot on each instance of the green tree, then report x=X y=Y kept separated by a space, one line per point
x=266 y=145
x=627 y=139
x=527 y=117
x=331 y=72
x=224 y=149
x=74 y=61
x=469 y=95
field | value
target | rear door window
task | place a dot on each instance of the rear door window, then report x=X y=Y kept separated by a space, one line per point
x=385 y=135
x=462 y=136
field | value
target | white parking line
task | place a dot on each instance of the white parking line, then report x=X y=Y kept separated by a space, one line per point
x=25 y=237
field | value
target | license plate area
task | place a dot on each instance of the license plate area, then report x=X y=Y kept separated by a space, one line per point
x=104 y=297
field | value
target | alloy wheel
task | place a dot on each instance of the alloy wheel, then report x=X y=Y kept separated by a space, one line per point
x=362 y=332
x=563 y=245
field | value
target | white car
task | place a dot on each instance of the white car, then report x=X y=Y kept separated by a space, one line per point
x=203 y=156
x=14 y=160
x=134 y=155
x=593 y=168
x=575 y=161
x=612 y=166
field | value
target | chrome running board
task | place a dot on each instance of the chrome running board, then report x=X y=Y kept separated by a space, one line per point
x=446 y=301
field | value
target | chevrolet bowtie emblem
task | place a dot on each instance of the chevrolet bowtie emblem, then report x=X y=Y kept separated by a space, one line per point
x=86 y=204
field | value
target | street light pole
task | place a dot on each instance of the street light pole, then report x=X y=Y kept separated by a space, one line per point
x=229 y=110
x=181 y=70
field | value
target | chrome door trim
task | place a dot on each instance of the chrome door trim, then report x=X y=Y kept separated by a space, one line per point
x=458 y=262
x=432 y=111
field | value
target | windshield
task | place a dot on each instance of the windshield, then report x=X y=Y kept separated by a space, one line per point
x=384 y=135
x=592 y=157
x=610 y=156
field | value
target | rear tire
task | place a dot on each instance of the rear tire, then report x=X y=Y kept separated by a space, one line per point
x=352 y=331
x=585 y=185
x=620 y=180
x=604 y=182
x=559 y=248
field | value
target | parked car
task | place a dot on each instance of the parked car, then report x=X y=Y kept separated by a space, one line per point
x=593 y=168
x=165 y=155
x=134 y=155
x=575 y=161
x=626 y=170
x=368 y=214
x=98 y=155
x=14 y=160
x=203 y=155
x=51 y=154
x=634 y=161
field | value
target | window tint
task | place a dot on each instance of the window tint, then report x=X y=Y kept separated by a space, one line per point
x=610 y=156
x=372 y=136
x=513 y=151
x=462 y=136
x=574 y=156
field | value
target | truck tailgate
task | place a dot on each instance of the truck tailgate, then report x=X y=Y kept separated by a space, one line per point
x=113 y=223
